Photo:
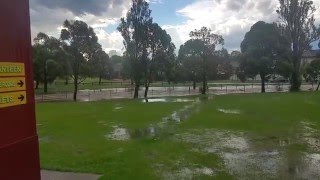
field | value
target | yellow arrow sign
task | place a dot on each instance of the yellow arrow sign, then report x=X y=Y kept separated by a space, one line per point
x=11 y=69
x=13 y=99
x=12 y=84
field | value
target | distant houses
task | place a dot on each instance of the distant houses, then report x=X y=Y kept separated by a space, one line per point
x=309 y=56
x=117 y=70
x=235 y=66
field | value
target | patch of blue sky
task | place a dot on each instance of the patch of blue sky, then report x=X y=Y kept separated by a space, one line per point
x=165 y=12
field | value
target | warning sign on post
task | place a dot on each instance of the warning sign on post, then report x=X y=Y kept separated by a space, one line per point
x=12 y=84
x=12 y=99
x=8 y=69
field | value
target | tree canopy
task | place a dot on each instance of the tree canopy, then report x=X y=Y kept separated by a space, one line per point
x=204 y=44
x=261 y=47
x=47 y=54
x=134 y=29
x=81 y=44
x=298 y=25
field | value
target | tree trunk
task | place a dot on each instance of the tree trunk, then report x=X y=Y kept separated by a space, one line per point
x=45 y=86
x=295 y=78
x=146 y=91
x=295 y=81
x=136 y=91
x=204 y=78
x=204 y=85
x=67 y=80
x=75 y=92
x=194 y=85
x=37 y=84
x=263 y=83
x=318 y=86
x=100 y=78
x=45 y=79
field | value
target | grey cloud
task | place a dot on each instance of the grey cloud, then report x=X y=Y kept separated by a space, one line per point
x=48 y=15
x=265 y=6
x=234 y=39
x=80 y=7
x=235 y=5
x=48 y=20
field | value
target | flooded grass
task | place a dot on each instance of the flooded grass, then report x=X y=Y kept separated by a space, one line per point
x=269 y=136
x=229 y=111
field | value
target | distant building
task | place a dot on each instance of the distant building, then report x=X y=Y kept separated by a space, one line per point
x=117 y=71
x=310 y=55
x=235 y=66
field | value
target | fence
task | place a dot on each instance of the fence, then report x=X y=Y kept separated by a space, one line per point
x=127 y=92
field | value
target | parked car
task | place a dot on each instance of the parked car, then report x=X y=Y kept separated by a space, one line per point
x=279 y=80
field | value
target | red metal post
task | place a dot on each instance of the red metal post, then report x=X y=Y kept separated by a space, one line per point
x=19 y=149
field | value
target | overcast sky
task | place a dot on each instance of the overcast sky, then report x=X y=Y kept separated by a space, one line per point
x=230 y=18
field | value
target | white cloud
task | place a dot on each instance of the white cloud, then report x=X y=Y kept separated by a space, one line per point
x=50 y=20
x=229 y=18
x=155 y=1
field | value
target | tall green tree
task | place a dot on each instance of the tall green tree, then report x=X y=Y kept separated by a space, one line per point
x=81 y=43
x=261 y=46
x=101 y=64
x=161 y=55
x=206 y=45
x=224 y=69
x=190 y=63
x=135 y=30
x=298 y=23
x=46 y=53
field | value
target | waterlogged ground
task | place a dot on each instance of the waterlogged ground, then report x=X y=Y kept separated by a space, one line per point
x=270 y=136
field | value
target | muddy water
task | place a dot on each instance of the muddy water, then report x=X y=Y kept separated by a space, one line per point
x=165 y=126
x=248 y=157
x=243 y=155
x=156 y=100
x=187 y=173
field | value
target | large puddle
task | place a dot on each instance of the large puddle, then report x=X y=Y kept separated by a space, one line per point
x=243 y=155
x=186 y=173
x=165 y=126
x=248 y=157
x=157 y=100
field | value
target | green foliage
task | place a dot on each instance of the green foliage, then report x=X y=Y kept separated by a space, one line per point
x=217 y=64
x=81 y=44
x=197 y=55
x=205 y=46
x=313 y=71
x=224 y=69
x=261 y=47
x=47 y=59
x=135 y=30
x=149 y=49
x=162 y=61
x=102 y=65
x=298 y=25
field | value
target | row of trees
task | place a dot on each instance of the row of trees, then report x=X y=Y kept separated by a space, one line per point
x=150 y=54
x=76 y=55
x=278 y=48
x=150 y=51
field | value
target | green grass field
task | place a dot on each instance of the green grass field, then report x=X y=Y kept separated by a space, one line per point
x=253 y=136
